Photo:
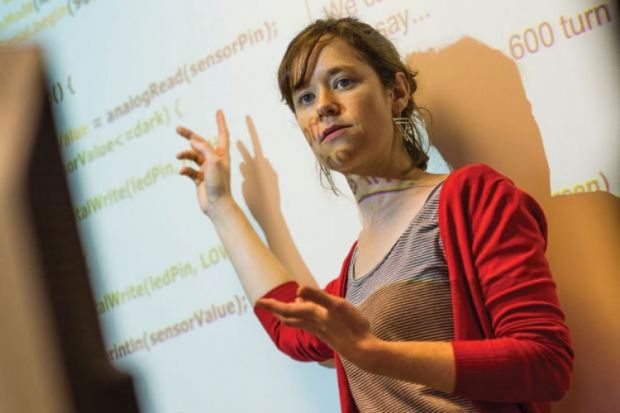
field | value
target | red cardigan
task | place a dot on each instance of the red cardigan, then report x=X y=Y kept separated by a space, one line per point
x=511 y=345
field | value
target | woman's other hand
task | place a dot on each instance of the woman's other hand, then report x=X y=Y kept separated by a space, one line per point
x=345 y=329
x=212 y=172
x=260 y=181
x=332 y=319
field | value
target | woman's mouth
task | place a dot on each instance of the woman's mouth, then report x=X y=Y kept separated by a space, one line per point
x=333 y=132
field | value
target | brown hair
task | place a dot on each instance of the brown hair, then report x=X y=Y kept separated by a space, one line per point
x=373 y=48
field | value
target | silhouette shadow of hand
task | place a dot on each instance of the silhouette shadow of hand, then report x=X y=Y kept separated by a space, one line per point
x=260 y=180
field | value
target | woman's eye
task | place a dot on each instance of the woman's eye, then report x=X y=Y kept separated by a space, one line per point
x=343 y=82
x=305 y=98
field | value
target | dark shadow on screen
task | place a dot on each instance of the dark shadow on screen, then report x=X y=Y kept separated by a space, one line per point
x=481 y=113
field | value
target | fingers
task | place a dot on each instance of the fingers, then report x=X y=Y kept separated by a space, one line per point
x=258 y=150
x=201 y=150
x=317 y=296
x=197 y=142
x=203 y=147
x=222 y=130
x=275 y=306
x=290 y=310
x=310 y=300
x=192 y=174
x=191 y=155
x=245 y=154
x=188 y=133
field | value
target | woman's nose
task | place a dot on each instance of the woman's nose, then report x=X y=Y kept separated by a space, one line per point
x=327 y=104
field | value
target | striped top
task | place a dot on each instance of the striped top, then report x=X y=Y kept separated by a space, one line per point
x=406 y=297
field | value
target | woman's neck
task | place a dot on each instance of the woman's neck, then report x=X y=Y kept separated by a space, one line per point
x=379 y=197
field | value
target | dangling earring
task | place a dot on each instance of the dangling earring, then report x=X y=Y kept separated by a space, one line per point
x=412 y=145
x=407 y=129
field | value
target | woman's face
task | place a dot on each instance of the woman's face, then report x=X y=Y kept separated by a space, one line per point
x=346 y=113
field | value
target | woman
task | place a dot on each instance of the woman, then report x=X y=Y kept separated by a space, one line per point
x=445 y=302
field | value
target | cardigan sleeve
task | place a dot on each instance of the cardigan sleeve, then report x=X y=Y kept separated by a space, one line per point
x=527 y=355
x=295 y=342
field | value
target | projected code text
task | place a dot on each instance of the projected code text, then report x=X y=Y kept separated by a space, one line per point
x=200 y=318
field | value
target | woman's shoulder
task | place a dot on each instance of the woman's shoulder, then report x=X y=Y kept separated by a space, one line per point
x=475 y=179
x=477 y=172
x=478 y=186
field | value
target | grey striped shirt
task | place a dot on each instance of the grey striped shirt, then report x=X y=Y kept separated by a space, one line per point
x=406 y=297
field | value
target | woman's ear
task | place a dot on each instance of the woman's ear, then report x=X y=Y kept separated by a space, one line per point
x=400 y=94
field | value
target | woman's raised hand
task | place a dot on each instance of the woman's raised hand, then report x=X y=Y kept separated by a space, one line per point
x=212 y=175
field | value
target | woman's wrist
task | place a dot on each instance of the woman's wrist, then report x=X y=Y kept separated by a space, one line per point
x=222 y=208
x=371 y=353
x=430 y=363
